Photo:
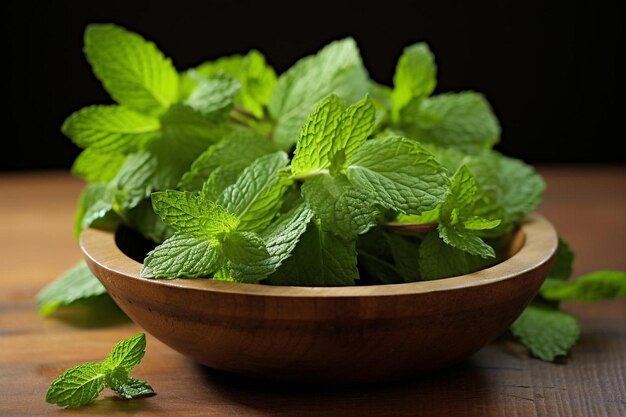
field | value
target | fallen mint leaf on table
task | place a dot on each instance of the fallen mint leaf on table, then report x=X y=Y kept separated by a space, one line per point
x=547 y=332
x=77 y=284
x=81 y=384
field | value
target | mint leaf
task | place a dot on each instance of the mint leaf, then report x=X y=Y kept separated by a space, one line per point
x=110 y=128
x=256 y=196
x=282 y=235
x=507 y=189
x=77 y=283
x=257 y=79
x=190 y=214
x=336 y=69
x=332 y=134
x=354 y=127
x=463 y=120
x=230 y=156
x=399 y=174
x=563 y=263
x=79 y=385
x=339 y=206
x=456 y=214
x=596 y=286
x=247 y=257
x=95 y=208
x=317 y=136
x=320 y=259
x=132 y=70
x=405 y=256
x=415 y=79
x=522 y=188
x=437 y=259
x=546 y=332
x=96 y=165
x=375 y=258
x=213 y=97
x=147 y=222
x=182 y=256
x=115 y=377
x=134 y=388
x=128 y=353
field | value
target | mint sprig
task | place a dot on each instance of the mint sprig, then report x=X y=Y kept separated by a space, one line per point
x=81 y=384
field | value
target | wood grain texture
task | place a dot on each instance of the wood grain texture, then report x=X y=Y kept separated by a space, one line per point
x=586 y=204
x=335 y=335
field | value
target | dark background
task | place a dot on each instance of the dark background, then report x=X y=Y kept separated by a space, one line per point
x=549 y=69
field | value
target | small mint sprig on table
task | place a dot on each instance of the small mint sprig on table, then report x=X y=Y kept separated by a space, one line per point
x=81 y=384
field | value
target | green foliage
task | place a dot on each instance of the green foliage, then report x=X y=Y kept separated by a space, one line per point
x=201 y=163
x=546 y=332
x=76 y=284
x=81 y=384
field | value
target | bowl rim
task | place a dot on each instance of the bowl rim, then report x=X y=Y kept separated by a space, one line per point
x=539 y=246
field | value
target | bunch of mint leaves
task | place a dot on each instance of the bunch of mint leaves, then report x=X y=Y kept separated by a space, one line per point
x=241 y=175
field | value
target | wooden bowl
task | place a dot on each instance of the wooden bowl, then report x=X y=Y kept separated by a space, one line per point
x=329 y=335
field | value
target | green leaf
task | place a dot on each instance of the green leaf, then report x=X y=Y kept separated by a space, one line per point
x=135 y=181
x=405 y=256
x=213 y=97
x=134 y=388
x=79 y=385
x=247 y=256
x=341 y=208
x=463 y=120
x=399 y=173
x=128 y=353
x=283 y=234
x=115 y=377
x=148 y=223
x=415 y=79
x=478 y=223
x=457 y=210
x=354 y=127
x=596 y=286
x=563 y=263
x=192 y=215
x=507 y=188
x=235 y=152
x=83 y=383
x=257 y=79
x=522 y=188
x=110 y=128
x=332 y=134
x=316 y=137
x=320 y=259
x=132 y=70
x=440 y=260
x=546 y=332
x=375 y=258
x=336 y=69
x=77 y=283
x=256 y=197
x=95 y=208
x=97 y=165
x=182 y=256
x=466 y=241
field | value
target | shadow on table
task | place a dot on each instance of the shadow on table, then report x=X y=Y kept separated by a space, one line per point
x=112 y=404
x=447 y=393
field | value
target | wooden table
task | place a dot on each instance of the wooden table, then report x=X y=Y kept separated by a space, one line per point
x=36 y=215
